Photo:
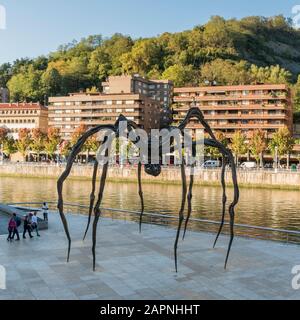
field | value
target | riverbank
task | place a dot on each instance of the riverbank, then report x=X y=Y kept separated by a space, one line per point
x=131 y=265
x=251 y=178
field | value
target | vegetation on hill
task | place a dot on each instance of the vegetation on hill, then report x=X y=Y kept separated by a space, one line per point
x=251 y=50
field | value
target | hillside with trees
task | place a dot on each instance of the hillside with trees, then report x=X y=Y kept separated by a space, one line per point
x=250 y=50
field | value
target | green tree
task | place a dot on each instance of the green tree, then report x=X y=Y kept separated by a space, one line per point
x=238 y=145
x=3 y=134
x=283 y=142
x=38 y=139
x=145 y=55
x=52 y=141
x=216 y=33
x=77 y=133
x=215 y=152
x=52 y=82
x=65 y=148
x=180 y=75
x=296 y=96
x=27 y=85
x=24 y=141
x=9 y=146
x=225 y=72
x=5 y=74
x=270 y=74
x=257 y=145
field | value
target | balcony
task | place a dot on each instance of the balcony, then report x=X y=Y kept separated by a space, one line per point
x=234 y=107
x=230 y=97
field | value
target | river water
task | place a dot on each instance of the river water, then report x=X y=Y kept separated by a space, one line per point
x=259 y=207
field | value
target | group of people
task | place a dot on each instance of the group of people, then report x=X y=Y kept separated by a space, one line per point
x=30 y=223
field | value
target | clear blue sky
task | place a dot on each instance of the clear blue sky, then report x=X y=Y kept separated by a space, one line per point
x=36 y=27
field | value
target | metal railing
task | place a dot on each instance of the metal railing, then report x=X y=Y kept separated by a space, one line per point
x=196 y=224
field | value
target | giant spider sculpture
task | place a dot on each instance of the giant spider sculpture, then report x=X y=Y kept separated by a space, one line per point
x=153 y=170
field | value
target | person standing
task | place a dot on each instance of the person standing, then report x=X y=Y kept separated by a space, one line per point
x=45 y=211
x=11 y=227
x=34 y=224
x=18 y=223
x=27 y=228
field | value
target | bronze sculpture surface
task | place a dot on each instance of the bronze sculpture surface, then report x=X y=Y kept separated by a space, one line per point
x=154 y=170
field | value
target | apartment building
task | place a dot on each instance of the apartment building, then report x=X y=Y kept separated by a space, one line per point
x=16 y=116
x=136 y=98
x=241 y=107
x=4 y=95
x=159 y=90
x=68 y=113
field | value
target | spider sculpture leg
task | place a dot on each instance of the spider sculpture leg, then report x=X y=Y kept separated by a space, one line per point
x=196 y=113
x=97 y=210
x=75 y=151
x=140 y=194
x=224 y=199
x=181 y=212
x=189 y=198
x=228 y=154
x=92 y=197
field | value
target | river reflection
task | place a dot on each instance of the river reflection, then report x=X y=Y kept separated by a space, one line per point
x=261 y=207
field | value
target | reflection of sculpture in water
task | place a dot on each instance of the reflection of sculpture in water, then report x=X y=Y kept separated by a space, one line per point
x=154 y=170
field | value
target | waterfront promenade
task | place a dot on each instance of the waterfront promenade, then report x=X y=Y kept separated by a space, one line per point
x=141 y=266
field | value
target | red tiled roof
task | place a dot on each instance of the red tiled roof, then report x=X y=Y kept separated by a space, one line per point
x=22 y=105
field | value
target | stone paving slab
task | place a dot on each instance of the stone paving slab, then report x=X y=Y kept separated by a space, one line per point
x=141 y=266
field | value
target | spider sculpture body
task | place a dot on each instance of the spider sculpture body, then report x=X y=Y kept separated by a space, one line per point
x=154 y=170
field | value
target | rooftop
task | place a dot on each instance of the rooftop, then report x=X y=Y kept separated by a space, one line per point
x=141 y=266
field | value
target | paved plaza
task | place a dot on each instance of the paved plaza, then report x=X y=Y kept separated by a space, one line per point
x=141 y=266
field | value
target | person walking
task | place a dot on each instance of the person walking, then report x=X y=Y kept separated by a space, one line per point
x=45 y=211
x=34 y=223
x=27 y=228
x=18 y=223
x=11 y=227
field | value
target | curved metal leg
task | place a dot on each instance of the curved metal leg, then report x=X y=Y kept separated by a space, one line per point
x=189 y=198
x=181 y=212
x=224 y=199
x=75 y=151
x=227 y=153
x=97 y=210
x=232 y=205
x=141 y=195
x=92 y=197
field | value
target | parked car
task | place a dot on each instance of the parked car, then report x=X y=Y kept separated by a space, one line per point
x=211 y=164
x=249 y=165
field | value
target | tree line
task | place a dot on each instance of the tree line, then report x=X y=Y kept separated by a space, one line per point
x=281 y=144
x=51 y=143
x=250 y=50
x=38 y=142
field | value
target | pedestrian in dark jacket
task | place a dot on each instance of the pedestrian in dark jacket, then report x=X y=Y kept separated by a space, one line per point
x=27 y=228
x=18 y=223
x=11 y=227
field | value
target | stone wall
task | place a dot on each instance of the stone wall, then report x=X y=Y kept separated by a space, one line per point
x=257 y=178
